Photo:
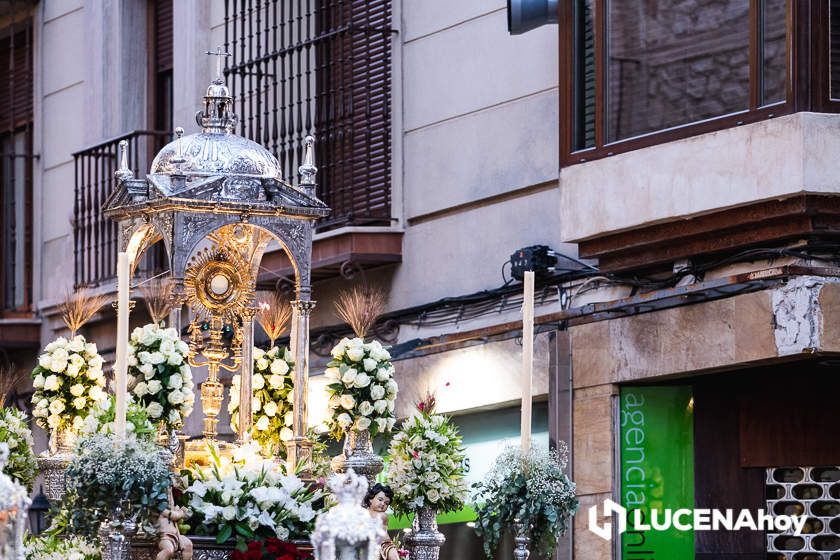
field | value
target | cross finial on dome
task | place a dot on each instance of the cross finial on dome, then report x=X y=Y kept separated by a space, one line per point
x=219 y=54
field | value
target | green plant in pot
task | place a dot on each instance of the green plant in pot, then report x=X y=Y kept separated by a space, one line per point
x=111 y=480
x=529 y=493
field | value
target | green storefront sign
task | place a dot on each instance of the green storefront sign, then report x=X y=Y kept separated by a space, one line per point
x=657 y=468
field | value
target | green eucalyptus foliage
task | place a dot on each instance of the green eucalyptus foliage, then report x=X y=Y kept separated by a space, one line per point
x=531 y=488
x=106 y=473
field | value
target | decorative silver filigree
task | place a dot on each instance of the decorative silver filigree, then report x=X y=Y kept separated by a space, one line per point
x=210 y=154
x=211 y=554
x=165 y=224
x=53 y=462
x=521 y=541
x=358 y=456
x=115 y=535
x=206 y=548
x=347 y=530
x=424 y=540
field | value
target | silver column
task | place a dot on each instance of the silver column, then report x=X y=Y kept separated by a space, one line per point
x=246 y=414
x=299 y=448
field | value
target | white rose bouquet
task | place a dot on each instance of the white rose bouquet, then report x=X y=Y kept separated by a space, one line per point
x=15 y=433
x=159 y=376
x=249 y=498
x=272 y=398
x=363 y=390
x=68 y=383
x=426 y=467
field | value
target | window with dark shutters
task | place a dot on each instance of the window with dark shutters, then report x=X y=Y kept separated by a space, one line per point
x=16 y=110
x=320 y=68
x=161 y=67
x=95 y=236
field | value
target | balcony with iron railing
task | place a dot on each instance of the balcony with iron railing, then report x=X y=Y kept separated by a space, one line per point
x=95 y=237
x=320 y=69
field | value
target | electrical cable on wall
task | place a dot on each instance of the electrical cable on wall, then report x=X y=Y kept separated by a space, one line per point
x=564 y=285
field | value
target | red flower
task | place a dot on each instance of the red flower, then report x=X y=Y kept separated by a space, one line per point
x=271 y=549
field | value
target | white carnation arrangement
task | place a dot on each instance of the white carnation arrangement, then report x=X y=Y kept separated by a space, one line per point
x=248 y=497
x=272 y=398
x=160 y=378
x=20 y=465
x=101 y=421
x=68 y=382
x=362 y=391
x=426 y=466
x=50 y=547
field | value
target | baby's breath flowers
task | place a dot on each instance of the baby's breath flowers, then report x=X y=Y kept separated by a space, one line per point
x=531 y=488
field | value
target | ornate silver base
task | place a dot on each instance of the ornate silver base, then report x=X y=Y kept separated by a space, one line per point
x=52 y=468
x=54 y=462
x=358 y=455
x=521 y=540
x=115 y=535
x=12 y=526
x=204 y=548
x=424 y=540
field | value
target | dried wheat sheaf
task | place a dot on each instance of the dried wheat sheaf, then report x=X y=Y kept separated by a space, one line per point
x=360 y=308
x=10 y=378
x=273 y=315
x=157 y=294
x=77 y=309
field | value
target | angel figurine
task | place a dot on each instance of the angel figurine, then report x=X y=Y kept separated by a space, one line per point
x=171 y=543
x=377 y=500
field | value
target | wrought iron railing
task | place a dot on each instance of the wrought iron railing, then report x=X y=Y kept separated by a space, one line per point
x=319 y=67
x=94 y=236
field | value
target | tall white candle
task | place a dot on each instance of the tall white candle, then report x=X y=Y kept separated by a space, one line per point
x=527 y=357
x=121 y=365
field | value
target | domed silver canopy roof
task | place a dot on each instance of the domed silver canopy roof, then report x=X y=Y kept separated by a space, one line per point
x=216 y=150
x=211 y=153
x=216 y=166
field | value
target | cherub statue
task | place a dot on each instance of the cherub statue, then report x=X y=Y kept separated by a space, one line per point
x=377 y=500
x=171 y=543
x=344 y=532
